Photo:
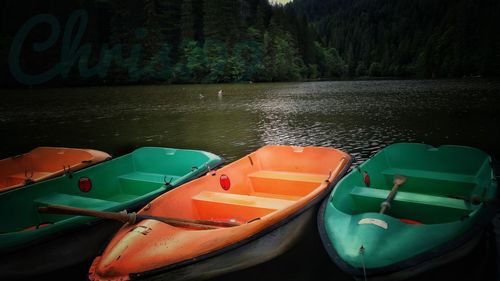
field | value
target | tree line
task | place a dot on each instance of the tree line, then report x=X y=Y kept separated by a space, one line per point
x=213 y=41
x=229 y=40
x=185 y=41
x=410 y=38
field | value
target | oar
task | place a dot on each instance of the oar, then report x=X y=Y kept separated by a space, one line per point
x=398 y=181
x=132 y=218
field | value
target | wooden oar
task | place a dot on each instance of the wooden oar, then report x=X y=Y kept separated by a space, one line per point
x=398 y=181
x=132 y=218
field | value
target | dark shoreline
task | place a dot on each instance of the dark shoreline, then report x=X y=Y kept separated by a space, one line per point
x=346 y=79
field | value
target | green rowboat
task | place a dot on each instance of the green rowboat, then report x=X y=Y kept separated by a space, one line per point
x=443 y=200
x=32 y=243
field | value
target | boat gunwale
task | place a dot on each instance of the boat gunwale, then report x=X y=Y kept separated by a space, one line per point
x=263 y=232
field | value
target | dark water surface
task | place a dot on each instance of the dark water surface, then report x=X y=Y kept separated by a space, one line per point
x=360 y=117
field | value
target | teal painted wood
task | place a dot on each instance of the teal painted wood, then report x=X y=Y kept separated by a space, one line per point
x=440 y=183
x=126 y=182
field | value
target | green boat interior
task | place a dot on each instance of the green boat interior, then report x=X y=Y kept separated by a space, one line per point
x=440 y=183
x=112 y=185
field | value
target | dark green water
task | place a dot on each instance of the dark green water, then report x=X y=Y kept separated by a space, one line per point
x=360 y=117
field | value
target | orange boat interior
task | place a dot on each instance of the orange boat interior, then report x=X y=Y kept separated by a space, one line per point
x=271 y=179
x=43 y=163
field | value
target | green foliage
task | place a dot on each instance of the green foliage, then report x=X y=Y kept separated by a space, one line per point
x=230 y=41
x=268 y=50
x=375 y=69
x=425 y=38
x=188 y=30
x=330 y=64
x=313 y=72
x=191 y=66
x=250 y=53
x=221 y=20
x=281 y=61
x=235 y=68
x=361 y=69
x=216 y=57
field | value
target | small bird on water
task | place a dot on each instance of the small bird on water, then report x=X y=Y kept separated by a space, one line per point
x=220 y=93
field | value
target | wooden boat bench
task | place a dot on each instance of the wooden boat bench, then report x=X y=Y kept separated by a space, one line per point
x=430 y=182
x=136 y=182
x=73 y=201
x=70 y=200
x=412 y=173
x=359 y=192
x=285 y=183
x=243 y=200
x=289 y=176
x=242 y=207
x=147 y=177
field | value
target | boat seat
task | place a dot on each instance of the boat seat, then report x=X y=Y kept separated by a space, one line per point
x=430 y=182
x=442 y=176
x=289 y=176
x=75 y=201
x=139 y=183
x=410 y=197
x=285 y=183
x=243 y=200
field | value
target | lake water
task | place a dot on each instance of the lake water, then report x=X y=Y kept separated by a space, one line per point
x=360 y=117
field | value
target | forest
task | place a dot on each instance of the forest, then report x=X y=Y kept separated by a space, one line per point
x=410 y=38
x=197 y=41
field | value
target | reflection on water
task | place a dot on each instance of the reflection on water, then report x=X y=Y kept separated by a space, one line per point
x=360 y=117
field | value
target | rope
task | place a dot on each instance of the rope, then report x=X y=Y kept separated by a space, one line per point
x=362 y=253
x=169 y=183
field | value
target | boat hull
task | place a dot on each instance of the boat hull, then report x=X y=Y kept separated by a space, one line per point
x=428 y=264
x=255 y=252
x=452 y=251
x=63 y=251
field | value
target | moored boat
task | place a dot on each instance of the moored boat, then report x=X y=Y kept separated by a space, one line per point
x=268 y=196
x=44 y=163
x=33 y=243
x=409 y=208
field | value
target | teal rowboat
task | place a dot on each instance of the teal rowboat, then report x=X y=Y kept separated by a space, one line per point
x=32 y=243
x=439 y=211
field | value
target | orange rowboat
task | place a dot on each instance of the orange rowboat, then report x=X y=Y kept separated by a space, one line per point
x=269 y=195
x=43 y=163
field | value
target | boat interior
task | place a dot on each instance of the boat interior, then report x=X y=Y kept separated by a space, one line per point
x=271 y=179
x=439 y=187
x=141 y=174
x=42 y=163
